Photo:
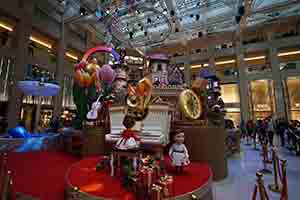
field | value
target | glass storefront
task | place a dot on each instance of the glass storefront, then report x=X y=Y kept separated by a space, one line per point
x=262 y=98
x=231 y=98
x=293 y=85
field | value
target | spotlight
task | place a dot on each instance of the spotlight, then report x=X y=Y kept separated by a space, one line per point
x=197 y=17
x=82 y=11
x=63 y=2
x=131 y=35
x=191 y=15
x=145 y=33
x=172 y=13
x=149 y=20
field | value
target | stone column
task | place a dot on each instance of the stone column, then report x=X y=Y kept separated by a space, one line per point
x=187 y=73
x=23 y=30
x=280 y=109
x=59 y=74
x=243 y=82
x=212 y=59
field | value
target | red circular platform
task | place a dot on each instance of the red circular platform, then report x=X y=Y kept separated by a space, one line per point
x=100 y=184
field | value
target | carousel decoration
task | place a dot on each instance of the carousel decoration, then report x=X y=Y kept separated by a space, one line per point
x=39 y=83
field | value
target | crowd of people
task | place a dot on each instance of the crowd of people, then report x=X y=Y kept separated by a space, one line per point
x=279 y=132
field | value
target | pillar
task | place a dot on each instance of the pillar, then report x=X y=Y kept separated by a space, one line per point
x=212 y=60
x=280 y=109
x=59 y=74
x=243 y=82
x=187 y=73
x=23 y=30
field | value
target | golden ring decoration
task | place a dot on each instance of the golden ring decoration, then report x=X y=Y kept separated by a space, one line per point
x=190 y=104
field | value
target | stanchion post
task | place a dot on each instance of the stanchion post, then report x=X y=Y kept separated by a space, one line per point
x=275 y=186
x=284 y=192
x=265 y=160
x=260 y=187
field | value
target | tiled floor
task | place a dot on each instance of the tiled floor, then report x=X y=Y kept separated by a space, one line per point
x=242 y=168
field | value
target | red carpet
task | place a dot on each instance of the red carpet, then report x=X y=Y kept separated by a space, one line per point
x=84 y=176
x=40 y=174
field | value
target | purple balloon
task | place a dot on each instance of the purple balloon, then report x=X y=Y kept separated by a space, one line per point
x=106 y=74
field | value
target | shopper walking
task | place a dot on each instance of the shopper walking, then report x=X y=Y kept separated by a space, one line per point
x=270 y=131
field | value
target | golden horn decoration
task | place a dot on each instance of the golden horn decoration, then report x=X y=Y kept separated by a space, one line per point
x=133 y=101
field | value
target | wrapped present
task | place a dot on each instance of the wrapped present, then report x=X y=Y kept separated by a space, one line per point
x=147 y=176
x=156 y=192
x=167 y=184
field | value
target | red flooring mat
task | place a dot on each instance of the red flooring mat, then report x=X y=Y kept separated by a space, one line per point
x=83 y=175
x=40 y=174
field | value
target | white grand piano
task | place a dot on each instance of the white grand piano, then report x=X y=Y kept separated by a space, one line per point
x=154 y=130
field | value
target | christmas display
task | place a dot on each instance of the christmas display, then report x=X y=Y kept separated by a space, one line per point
x=140 y=125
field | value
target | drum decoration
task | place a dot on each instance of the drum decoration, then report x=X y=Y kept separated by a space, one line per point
x=190 y=104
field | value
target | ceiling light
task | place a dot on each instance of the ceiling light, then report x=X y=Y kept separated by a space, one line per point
x=71 y=56
x=82 y=11
x=289 y=53
x=200 y=65
x=6 y=27
x=255 y=58
x=45 y=44
x=181 y=68
x=225 y=62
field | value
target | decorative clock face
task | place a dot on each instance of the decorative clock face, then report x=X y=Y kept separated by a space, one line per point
x=190 y=104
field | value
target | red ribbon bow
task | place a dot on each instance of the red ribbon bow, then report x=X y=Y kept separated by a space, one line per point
x=128 y=133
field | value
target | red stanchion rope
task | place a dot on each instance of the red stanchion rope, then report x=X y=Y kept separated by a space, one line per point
x=265 y=192
x=284 y=192
x=254 y=194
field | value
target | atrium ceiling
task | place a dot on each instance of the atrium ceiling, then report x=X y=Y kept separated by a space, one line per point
x=140 y=23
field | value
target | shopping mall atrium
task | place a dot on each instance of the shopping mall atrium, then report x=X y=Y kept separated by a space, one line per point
x=149 y=99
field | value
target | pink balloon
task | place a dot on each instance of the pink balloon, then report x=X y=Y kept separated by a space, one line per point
x=106 y=74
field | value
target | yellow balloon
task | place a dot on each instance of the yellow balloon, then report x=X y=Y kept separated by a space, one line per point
x=92 y=67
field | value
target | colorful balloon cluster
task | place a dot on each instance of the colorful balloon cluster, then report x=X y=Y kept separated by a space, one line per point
x=93 y=84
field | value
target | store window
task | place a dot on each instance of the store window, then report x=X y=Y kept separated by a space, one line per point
x=68 y=92
x=293 y=85
x=231 y=97
x=262 y=98
x=6 y=66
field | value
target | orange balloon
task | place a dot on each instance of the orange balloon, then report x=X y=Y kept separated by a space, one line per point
x=141 y=89
x=78 y=77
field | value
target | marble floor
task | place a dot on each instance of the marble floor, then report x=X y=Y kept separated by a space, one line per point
x=239 y=184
